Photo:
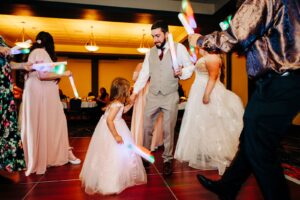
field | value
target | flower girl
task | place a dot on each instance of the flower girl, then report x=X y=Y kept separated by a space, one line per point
x=110 y=165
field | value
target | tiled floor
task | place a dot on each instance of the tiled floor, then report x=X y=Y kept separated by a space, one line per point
x=63 y=183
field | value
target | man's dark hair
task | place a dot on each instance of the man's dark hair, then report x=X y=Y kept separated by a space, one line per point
x=160 y=24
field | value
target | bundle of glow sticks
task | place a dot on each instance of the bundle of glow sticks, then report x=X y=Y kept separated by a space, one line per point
x=188 y=21
x=56 y=67
x=18 y=50
x=142 y=151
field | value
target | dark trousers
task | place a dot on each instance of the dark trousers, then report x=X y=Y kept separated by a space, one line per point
x=268 y=115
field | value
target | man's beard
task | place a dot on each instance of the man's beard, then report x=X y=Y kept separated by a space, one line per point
x=162 y=44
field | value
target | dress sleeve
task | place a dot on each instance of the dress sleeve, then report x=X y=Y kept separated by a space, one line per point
x=39 y=56
x=116 y=104
x=252 y=20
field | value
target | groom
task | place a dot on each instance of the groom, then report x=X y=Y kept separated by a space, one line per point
x=163 y=89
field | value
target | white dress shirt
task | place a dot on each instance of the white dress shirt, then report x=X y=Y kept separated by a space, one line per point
x=183 y=59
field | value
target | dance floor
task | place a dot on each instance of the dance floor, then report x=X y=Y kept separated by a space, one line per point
x=62 y=183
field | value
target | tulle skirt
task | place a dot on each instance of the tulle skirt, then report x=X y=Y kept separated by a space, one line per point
x=109 y=167
x=209 y=133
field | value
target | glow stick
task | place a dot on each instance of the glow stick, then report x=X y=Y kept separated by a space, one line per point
x=173 y=53
x=47 y=67
x=73 y=86
x=15 y=49
x=188 y=10
x=143 y=152
x=59 y=69
x=185 y=23
x=19 y=51
x=192 y=22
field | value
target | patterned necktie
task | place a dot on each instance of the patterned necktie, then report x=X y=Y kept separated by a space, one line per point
x=161 y=55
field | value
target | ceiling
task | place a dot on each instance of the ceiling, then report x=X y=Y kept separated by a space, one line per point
x=70 y=35
x=209 y=7
x=116 y=31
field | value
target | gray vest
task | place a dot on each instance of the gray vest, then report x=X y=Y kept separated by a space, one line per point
x=161 y=73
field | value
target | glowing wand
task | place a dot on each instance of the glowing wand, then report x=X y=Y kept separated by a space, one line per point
x=173 y=53
x=73 y=87
x=143 y=152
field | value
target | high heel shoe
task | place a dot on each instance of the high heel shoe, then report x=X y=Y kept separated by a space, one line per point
x=72 y=159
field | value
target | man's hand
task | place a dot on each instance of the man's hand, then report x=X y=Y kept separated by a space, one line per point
x=4 y=51
x=178 y=72
x=193 y=38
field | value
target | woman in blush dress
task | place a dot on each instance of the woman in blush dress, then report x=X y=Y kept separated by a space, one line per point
x=138 y=115
x=44 y=129
x=212 y=121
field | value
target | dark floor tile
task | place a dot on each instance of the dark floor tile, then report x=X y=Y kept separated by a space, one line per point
x=65 y=190
x=14 y=191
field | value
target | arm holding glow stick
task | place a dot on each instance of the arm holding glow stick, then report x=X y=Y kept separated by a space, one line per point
x=26 y=66
x=48 y=67
x=47 y=76
x=182 y=59
x=5 y=51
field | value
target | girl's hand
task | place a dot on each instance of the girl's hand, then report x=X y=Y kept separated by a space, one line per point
x=4 y=51
x=119 y=139
x=205 y=99
x=68 y=73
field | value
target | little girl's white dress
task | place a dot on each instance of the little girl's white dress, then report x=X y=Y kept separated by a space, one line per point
x=109 y=167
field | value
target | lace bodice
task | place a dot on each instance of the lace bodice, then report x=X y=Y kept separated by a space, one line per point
x=200 y=68
x=119 y=114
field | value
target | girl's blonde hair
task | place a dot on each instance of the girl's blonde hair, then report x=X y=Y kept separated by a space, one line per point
x=119 y=90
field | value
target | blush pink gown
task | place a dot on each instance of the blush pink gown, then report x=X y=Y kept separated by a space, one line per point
x=44 y=127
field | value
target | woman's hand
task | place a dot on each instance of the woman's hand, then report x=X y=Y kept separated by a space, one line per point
x=68 y=73
x=119 y=139
x=28 y=66
x=193 y=38
x=205 y=99
x=4 y=51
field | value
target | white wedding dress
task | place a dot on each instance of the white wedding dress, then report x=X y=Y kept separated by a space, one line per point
x=209 y=133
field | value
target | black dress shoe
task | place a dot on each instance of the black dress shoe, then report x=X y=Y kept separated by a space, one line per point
x=215 y=187
x=167 y=168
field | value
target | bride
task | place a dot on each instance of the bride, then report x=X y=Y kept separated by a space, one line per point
x=213 y=119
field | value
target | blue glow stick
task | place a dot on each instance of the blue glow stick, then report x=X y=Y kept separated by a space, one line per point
x=143 y=152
